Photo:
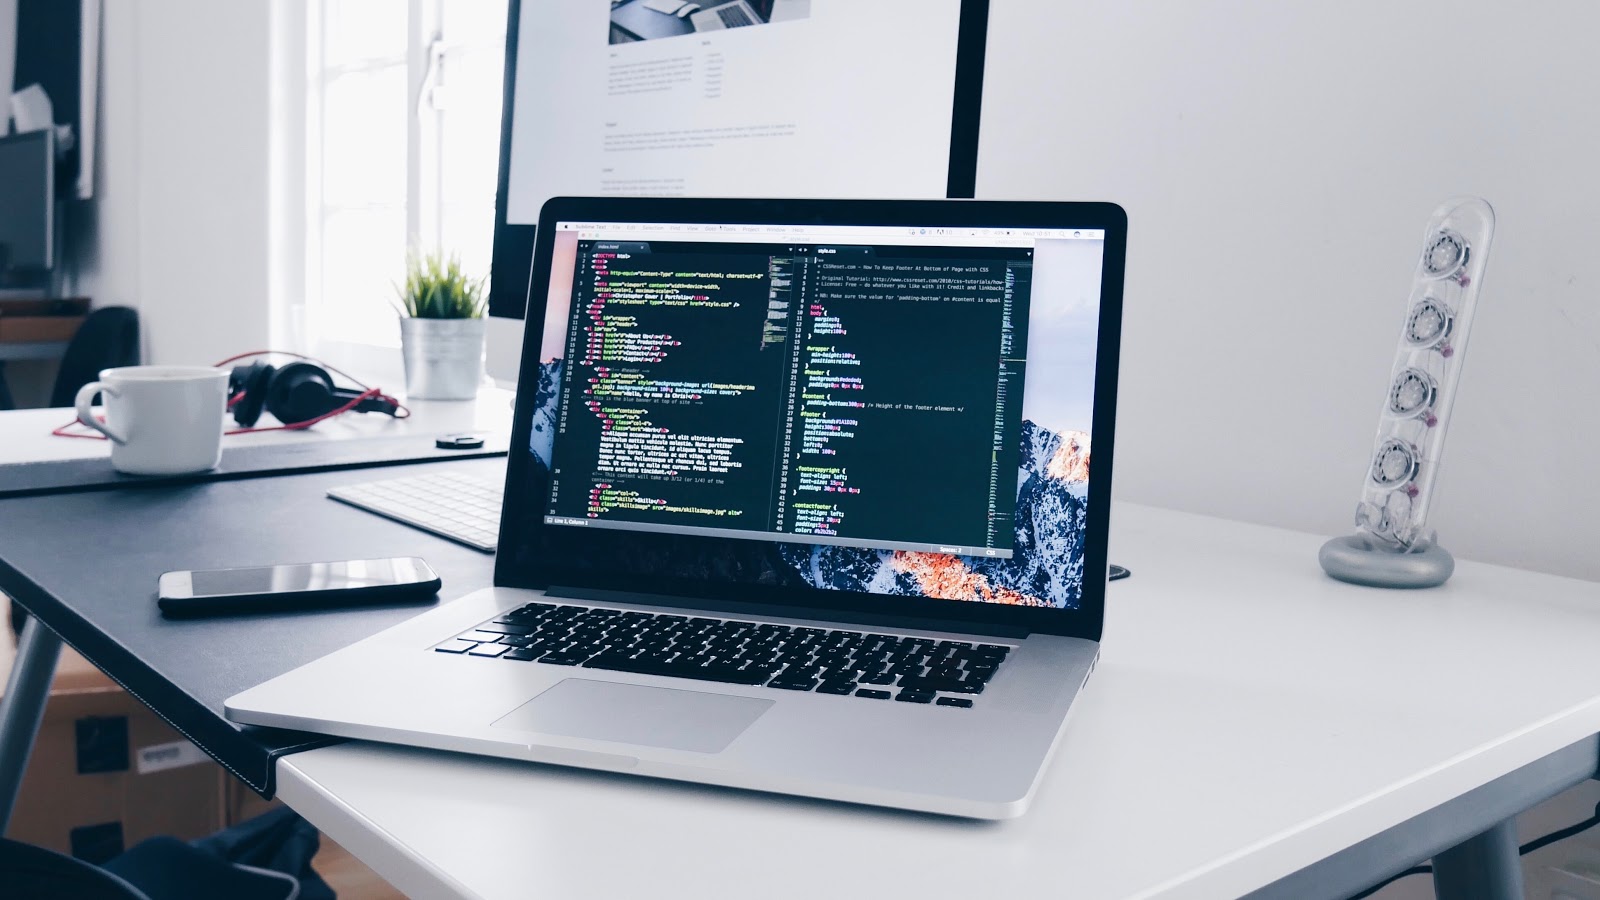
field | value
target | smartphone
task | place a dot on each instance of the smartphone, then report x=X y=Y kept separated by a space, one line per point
x=215 y=592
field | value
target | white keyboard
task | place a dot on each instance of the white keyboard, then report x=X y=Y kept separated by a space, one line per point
x=452 y=506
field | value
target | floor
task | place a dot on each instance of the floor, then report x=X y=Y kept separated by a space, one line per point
x=349 y=877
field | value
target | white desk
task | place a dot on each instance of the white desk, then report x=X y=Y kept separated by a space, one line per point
x=25 y=433
x=1249 y=718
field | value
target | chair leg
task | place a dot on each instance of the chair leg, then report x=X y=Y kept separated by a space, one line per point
x=22 y=708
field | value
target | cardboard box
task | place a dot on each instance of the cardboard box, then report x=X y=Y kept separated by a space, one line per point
x=106 y=772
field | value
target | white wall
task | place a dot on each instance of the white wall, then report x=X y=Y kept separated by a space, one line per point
x=183 y=225
x=1278 y=162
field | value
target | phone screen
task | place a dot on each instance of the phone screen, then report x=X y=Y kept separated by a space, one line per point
x=327 y=576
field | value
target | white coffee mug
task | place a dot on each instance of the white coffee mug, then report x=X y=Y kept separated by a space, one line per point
x=162 y=420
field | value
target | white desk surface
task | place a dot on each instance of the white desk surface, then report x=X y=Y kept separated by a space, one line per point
x=1249 y=717
x=25 y=433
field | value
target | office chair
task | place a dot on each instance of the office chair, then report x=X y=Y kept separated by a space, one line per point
x=29 y=871
x=108 y=338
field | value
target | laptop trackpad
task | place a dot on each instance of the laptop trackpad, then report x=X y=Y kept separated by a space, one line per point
x=635 y=714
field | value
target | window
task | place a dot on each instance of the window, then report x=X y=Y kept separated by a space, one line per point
x=404 y=135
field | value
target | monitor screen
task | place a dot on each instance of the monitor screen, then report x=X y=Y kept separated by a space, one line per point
x=27 y=164
x=893 y=410
x=752 y=98
x=814 y=98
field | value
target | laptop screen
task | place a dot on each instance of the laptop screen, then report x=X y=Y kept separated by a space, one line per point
x=893 y=410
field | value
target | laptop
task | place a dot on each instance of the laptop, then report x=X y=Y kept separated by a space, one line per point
x=739 y=13
x=799 y=500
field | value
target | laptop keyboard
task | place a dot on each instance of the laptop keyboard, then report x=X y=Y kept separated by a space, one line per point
x=734 y=17
x=784 y=657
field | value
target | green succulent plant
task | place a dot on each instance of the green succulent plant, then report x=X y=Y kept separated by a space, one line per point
x=436 y=288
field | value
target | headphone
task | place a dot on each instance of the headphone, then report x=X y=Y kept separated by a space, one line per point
x=297 y=394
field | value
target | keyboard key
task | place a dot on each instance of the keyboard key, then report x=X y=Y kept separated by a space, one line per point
x=522 y=653
x=488 y=650
x=954 y=701
x=559 y=658
x=456 y=645
x=481 y=636
x=502 y=628
x=872 y=695
x=914 y=697
x=836 y=687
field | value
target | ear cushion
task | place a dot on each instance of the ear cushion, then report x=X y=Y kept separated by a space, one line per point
x=301 y=391
x=251 y=381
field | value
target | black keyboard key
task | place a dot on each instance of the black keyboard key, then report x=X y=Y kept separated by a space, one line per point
x=782 y=685
x=522 y=653
x=502 y=628
x=563 y=659
x=880 y=677
x=951 y=685
x=872 y=695
x=488 y=650
x=836 y=687
x=954 y=701
x=924 y=683
x=914 y=696
x=456 y=645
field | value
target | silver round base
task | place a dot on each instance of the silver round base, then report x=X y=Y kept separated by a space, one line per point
x=1359 y=560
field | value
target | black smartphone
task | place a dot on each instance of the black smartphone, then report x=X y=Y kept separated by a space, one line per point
x=217 y=592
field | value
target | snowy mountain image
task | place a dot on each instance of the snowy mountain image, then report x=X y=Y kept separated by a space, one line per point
x=542 y=437
x=1046 y=567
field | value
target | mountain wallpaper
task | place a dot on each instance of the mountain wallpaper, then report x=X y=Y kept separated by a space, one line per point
x=1046 y=567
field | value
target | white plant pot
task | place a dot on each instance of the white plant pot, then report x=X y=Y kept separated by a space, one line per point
x=443 y=357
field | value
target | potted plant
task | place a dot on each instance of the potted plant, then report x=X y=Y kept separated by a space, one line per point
x=441 y=328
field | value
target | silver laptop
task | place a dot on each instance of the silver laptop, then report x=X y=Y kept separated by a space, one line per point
x=739 y=13
x=799 y=501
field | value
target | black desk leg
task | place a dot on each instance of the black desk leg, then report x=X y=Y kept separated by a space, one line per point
x=1482 y=867
x=22 y=708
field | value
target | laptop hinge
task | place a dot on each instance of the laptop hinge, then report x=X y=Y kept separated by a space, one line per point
x=821 y=616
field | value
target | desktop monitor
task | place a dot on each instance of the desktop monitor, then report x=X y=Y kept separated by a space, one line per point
x=27 y=207
x=819 y=98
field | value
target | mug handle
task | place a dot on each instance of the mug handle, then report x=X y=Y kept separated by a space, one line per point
x=86 y=415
